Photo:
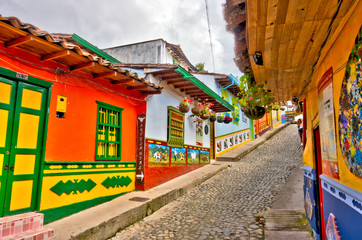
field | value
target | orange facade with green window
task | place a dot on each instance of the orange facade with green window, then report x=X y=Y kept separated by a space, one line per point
x=67 y=141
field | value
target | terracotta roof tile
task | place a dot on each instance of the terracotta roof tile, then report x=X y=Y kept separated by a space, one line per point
x=61 y=41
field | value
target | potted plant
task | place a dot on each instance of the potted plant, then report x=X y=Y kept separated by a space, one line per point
x=212 y=116
x=197 y=107
x=253 y=98
x=227 y=119
x=220 y=119
x=185 y=105
x=276 y=107
x=205 y=111
x=282 y=108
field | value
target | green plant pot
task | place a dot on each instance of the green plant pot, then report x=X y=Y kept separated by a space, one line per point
x=212 y=118
x=220 y=120
x=255 y=112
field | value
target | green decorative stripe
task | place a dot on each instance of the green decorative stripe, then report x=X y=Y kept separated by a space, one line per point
x=116 y=181
x=30 y=79
x=87 y=165
x=85 y=173
x=53 y=214
x=70 y=186
x=185 y=74
x=109 y=106
x=93 y=48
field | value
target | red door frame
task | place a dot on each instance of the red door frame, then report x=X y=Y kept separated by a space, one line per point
x=318 y=164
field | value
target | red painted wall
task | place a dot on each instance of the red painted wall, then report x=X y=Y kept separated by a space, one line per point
x=74 y=137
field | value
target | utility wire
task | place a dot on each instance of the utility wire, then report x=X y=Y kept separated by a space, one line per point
x=208 y=25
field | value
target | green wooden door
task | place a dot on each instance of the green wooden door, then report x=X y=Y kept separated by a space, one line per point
x=22 y=116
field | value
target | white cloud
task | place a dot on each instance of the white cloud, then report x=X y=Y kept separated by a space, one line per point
x=110 y=23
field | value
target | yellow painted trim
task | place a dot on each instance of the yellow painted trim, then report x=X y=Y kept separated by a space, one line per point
x=233 y=147
x=231 y=134
x=277 y=124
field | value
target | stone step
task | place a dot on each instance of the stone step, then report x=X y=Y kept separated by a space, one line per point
x=34 y=234
x=16 y=224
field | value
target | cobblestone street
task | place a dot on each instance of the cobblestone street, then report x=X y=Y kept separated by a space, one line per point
x=226 y=206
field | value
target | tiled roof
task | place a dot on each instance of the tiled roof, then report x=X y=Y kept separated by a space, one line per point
x=57 y=44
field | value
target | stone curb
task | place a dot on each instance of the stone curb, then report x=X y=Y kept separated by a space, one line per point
x=107 y=228
x=252 y=145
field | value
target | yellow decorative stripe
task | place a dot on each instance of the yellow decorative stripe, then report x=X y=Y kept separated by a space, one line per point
x=233 y=147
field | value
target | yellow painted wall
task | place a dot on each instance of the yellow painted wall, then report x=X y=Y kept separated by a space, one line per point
x=335 y=54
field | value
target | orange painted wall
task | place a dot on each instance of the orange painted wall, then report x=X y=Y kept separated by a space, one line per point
x=74 y=138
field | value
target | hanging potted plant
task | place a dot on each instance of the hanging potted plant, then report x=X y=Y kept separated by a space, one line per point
x=227 y=119
x=282 y=108
x=212 y=116
x=276 y=107
x=253 y=98
x=205 y=111
x=184 y=106
x=197 y=107
x=220 y=119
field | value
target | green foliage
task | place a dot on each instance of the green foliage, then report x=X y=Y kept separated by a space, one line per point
x=252 y=94
x=200 y=67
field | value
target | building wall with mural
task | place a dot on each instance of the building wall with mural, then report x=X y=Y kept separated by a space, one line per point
x=166 y=159
x=332 y=154
x=236 y=133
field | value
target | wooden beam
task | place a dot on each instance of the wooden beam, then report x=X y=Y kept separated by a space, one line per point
x=18 y=41
x=141 y=87
x=123 y=81
x=182 y=85
x=192 y=91
x=82 y=66
x=55 y=55
x=106 y=75
x=182 y=89
x=177 y=80
x=151 y=92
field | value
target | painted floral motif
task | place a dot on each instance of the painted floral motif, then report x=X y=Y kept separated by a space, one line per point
x=350 y=111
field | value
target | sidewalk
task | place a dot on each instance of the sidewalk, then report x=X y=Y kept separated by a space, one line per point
x=285 y=220
x=104 y=220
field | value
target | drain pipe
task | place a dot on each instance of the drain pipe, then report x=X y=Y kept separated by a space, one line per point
x=234 y=80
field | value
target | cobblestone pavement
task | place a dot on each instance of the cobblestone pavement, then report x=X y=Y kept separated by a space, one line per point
x=226 y=206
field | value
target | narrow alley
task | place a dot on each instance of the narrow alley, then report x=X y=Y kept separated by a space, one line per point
x=226 y=206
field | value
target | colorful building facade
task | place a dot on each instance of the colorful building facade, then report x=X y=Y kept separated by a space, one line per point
x=68 y=121
x=312 y=54
x=175 y=142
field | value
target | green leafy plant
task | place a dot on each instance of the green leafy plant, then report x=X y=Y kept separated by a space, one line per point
x=276 y=107
x=252 y=94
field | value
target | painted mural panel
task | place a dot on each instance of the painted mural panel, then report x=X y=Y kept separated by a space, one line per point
x=350 y=111
x=204 y=157
x=178 y=157
x=227 y=142
x=327 y=125
x=199 y=132
x=158 y=155
x=193 y=157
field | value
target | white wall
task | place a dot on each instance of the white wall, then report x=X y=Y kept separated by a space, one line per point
x=156 y=121
x=209 y=81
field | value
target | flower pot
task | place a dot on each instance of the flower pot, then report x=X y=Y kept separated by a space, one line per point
x=220 y=120
x=227 y=121
x=184 y=108
x=212 y=118
x=195 y=110
x=255 y=112
x=204 y=116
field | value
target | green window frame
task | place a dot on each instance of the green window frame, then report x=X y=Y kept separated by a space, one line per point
x=176 y=127
x=109 y=132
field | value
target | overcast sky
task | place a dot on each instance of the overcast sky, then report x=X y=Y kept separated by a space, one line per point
x=109 y=23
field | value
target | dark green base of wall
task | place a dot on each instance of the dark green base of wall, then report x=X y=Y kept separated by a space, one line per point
x=51 y=215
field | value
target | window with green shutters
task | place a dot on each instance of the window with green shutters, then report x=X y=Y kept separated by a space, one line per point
x=109 y=131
